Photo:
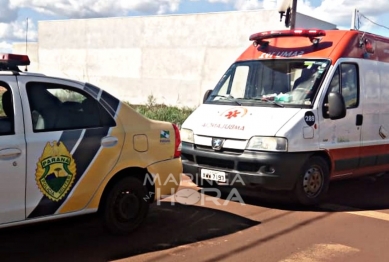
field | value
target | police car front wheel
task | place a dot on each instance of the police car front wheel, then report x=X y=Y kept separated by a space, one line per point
x=125 y=207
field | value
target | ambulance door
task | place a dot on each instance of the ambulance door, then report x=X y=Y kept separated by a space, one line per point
x=342 y=137
x=375 y=130
x=12 y=153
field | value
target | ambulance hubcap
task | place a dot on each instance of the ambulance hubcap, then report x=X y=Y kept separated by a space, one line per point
x=313 y=181
x=127 y=205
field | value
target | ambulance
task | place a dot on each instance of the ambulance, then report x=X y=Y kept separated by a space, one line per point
x=297 y=110
x=70 y=148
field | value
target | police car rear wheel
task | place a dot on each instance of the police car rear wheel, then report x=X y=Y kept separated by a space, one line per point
x=313 y=182
x=125 y=207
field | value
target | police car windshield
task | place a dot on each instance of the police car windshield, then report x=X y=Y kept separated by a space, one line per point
x=286 y=82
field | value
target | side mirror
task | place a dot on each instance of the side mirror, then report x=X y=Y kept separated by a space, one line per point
x=336 y=106
x=206 y=95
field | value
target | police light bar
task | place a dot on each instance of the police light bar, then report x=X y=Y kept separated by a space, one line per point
x=312 y=34
x=12 y=60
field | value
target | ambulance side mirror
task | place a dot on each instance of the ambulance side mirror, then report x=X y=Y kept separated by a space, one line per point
x=336 y=106
x=206 y=95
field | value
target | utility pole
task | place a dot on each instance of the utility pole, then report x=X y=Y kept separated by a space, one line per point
x=355 y=20
x=293 y=15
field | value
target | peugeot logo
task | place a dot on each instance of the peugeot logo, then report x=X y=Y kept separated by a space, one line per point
x=217 y=143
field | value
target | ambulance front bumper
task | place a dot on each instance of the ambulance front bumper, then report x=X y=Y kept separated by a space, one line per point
x=267 y=170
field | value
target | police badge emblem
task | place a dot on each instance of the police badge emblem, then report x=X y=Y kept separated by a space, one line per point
x=56 y=171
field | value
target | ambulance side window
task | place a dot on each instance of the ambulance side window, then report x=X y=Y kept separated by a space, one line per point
x=345 y=81
x=6 y=111
x=350 y=85
x=57 y=107
x=335 y=85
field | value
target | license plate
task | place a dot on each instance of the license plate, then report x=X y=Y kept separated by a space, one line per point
x=213 y=175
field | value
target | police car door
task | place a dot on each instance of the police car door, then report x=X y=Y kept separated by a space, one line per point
x=12 y=153
x=342 y=137
x=63 y=143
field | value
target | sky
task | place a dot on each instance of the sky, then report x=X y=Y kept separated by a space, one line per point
x=19 y=18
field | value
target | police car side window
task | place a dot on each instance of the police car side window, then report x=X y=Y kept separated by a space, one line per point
x=57 y=107
x=6 y=110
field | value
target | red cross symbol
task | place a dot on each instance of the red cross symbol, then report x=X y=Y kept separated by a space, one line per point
x=232 y=114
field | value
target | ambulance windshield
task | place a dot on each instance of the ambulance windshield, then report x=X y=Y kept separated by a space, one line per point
x=282 y=82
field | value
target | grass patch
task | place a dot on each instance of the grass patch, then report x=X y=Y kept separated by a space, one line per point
x=163 y=112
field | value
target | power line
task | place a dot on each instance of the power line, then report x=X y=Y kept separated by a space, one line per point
x=361 y=15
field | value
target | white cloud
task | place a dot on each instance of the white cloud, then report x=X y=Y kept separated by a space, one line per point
x=221 y=1
x=12 y=28
x=96 y=8
x=16 y=31
x=338 y=12
x=333 y=11
x=248 y=4
x=8 y=13
x=241 y=4
x=5 y=47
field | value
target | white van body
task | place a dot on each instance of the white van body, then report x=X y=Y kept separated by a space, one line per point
x=332 y=124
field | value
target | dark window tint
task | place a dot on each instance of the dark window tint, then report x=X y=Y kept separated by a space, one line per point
x=6 y=110
x=58 y=107
x=345 y=81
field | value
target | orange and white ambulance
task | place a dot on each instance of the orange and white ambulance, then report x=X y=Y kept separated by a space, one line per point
x=69 y=148
x=298 y=109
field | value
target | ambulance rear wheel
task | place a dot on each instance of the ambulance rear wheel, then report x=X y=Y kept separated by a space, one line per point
x=313 y=182
x=125 y=207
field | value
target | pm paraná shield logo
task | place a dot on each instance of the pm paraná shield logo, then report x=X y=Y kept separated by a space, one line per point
x=55 y=171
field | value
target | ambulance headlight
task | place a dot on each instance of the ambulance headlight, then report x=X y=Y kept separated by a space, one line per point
x=268 y=143
x=186 y=135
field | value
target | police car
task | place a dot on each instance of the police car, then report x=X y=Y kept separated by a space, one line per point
x=70 y=148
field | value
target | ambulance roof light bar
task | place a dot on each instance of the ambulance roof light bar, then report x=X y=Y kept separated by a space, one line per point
x=314 y=35
x=10 y=62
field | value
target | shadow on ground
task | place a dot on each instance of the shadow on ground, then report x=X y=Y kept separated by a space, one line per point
x=365 y=193
x=83 y=239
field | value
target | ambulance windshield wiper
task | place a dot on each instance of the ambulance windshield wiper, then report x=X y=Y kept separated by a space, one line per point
x=228 y=97
x=267 y=101
x=274 y=103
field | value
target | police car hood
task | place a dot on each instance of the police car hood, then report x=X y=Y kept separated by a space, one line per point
x=238 y=122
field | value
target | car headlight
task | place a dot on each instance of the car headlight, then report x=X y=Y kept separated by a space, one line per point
x=268 y=143
x=186 y=135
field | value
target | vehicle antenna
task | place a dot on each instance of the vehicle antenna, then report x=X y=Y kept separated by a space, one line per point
x=26 y=41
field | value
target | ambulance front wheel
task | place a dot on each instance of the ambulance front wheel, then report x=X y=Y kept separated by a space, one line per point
x=313 y=182
x=125 y=207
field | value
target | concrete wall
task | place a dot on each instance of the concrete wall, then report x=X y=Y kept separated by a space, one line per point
x=32 y=52
x=175 y=58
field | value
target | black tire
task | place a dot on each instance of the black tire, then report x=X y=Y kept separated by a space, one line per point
x=313 y=182
x=125 y=206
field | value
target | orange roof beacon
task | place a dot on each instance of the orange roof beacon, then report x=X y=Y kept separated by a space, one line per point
x=69 y=148
x=298 y=109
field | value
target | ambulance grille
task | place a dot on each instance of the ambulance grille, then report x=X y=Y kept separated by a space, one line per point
x=187 y=157
x=221 y=163
x=223 y=150
x=229 y=164
x=248 y=167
